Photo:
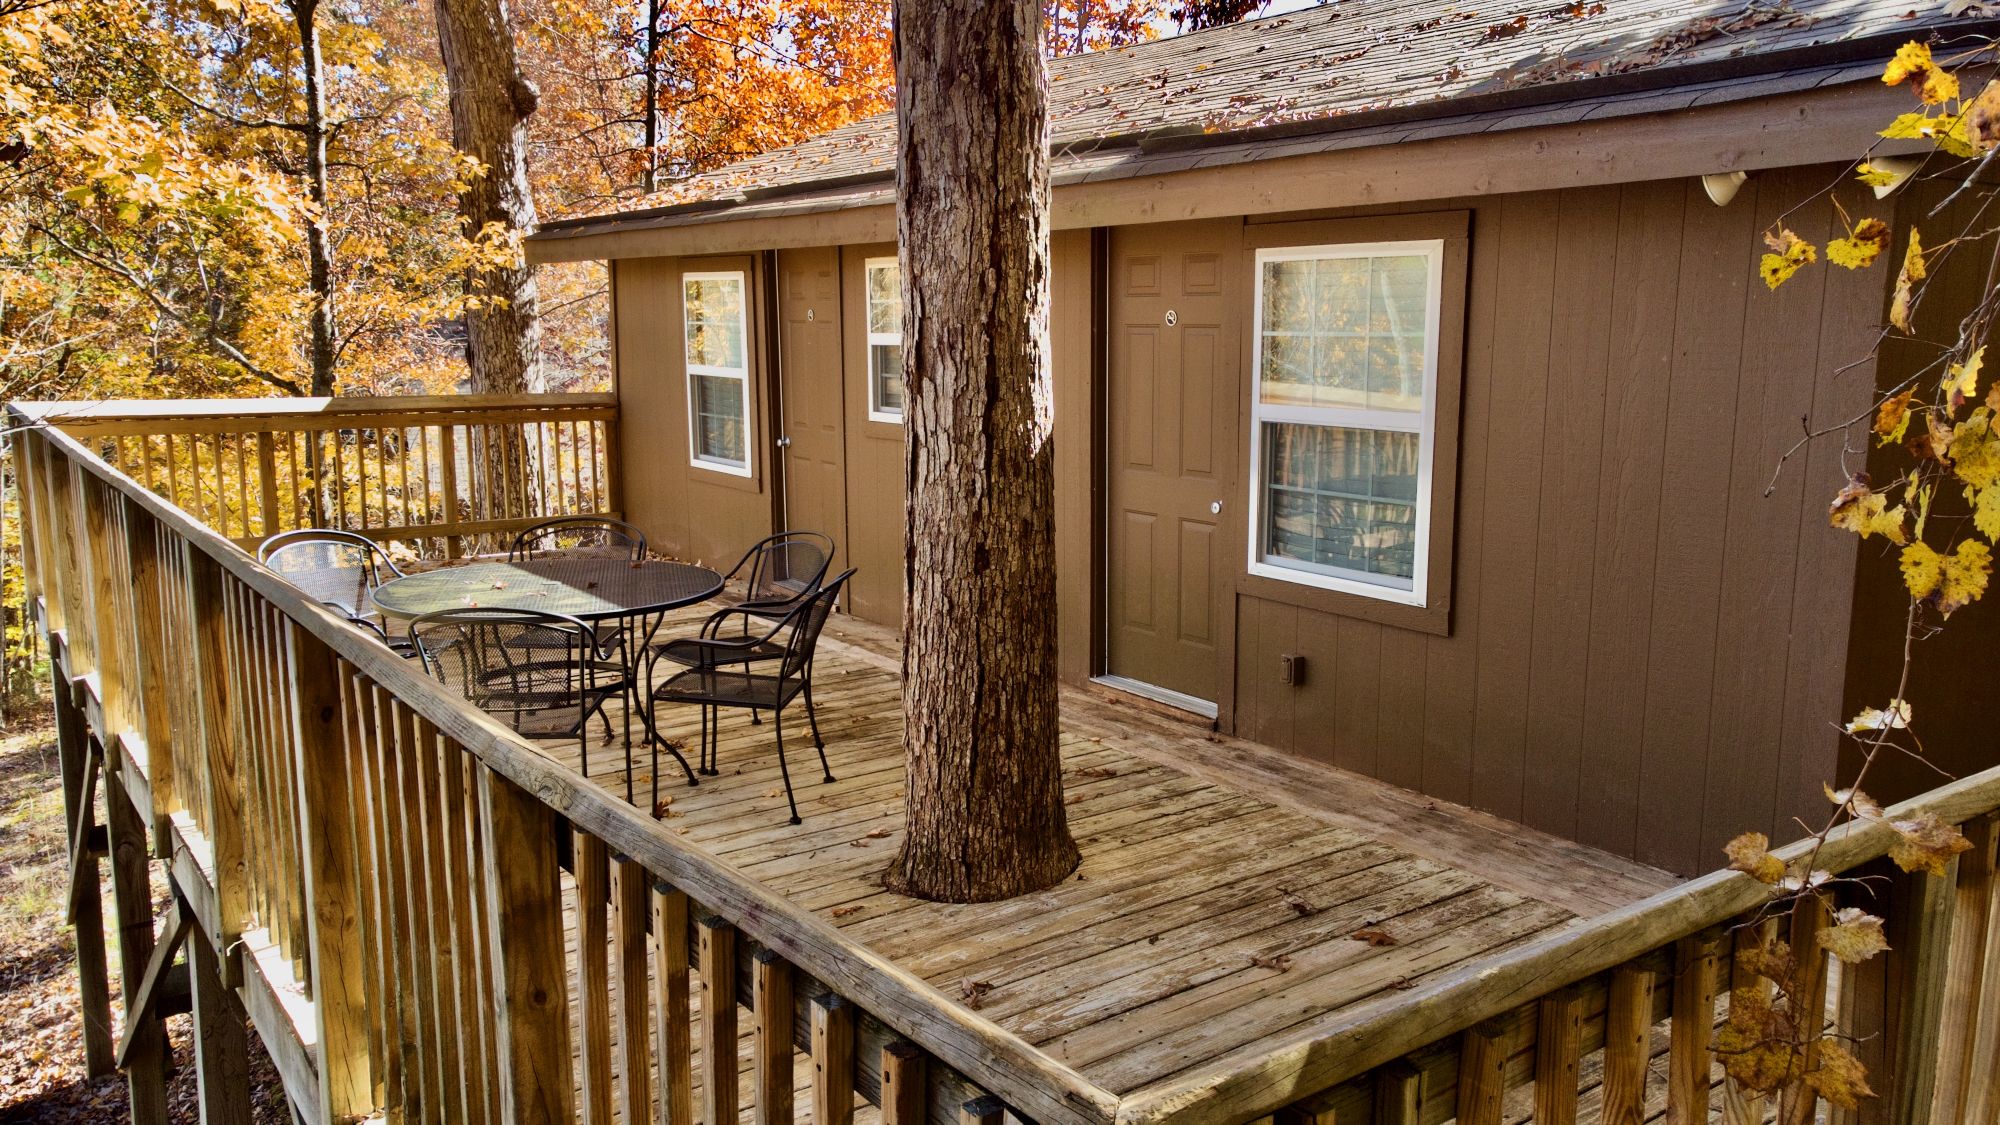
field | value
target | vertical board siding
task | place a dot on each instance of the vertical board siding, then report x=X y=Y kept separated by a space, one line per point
x=1644 y=649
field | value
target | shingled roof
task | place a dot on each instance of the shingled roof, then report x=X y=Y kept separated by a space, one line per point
x=1357 y=72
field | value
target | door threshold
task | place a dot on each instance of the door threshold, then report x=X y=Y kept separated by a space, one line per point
x=1179 y=701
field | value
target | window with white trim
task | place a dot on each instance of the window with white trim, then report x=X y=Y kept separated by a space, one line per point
x=885 y=339
x=718 y=370
x=1343 y=420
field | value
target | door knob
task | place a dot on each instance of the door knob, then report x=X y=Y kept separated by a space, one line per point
x=1215 y=508
x=785 y=442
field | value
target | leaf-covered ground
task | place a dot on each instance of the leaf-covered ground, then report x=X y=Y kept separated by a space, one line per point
x=42 y=1075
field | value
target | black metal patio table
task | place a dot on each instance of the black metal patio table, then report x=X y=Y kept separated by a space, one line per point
x=637 y=595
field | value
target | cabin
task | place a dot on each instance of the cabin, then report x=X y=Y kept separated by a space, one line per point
x=1436 y=595
x=1419 y=410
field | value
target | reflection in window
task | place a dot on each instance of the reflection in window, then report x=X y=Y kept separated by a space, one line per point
x=1342 y=416
x=712 y=306
x=885 y=340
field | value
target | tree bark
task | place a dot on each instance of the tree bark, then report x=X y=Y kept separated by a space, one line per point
x=490 y=103
x=650 y=177
x=983 y=803
x=319 y=247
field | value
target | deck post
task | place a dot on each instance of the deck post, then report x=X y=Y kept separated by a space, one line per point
x=1960 y=1066
x=1628 y=1022
x=524 y=931
x=833 y=1060
x=630 y=885
x=132 y=904
x=1482 y=1074
x=1399 y=1093
x=904 y=1083
x=718 y=1018
x=1558 y=1041
x=74 y=750
x=771 y=993
x=672 y=1006
x=328 y=762
x=1696 y=965
x=1919 y=958
x=593 y=987
x=221 y=1045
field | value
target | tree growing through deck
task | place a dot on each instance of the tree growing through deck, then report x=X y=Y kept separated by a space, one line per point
x=984 y=795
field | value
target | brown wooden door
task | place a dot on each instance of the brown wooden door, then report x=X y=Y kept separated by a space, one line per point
x=1172 y=445
x=812 y=437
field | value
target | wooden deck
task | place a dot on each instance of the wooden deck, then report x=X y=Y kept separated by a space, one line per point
x=1227 y=892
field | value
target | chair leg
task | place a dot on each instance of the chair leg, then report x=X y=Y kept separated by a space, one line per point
x=778 y=721
x=657 y=740
x=812 y=717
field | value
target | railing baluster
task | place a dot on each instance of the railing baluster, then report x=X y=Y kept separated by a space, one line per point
x=1399 y=1094
x=771 y=994
x=630 y=890
x=1689 y=1060
x=1482 y=1074
x=1797 y=1104
x=833 y=1060
x=718 y=1018
x=905 y=1083
x=1628 y=1020
x=1921 y=955
x=524 y=927
x=1972 y=979
x=1558 y=1040
x=672 y=1006
x=593 y=986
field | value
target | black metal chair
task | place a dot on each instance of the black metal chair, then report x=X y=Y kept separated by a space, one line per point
x=725 y=670
x=545 y=674
x=776 y=573
x=580 y=537
x=339 y=569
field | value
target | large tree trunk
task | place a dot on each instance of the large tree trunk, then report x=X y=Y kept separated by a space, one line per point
x=490 y=102
x=984 y=800
x=319 y=245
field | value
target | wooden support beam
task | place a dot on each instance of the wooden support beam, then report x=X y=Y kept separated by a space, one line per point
x=833 y=1060
x=672 y=1006
x=1922 y=962
x=593 y=986
x=1558 y=1043
x=1482 y=1074
x=329 y=759
x=145 y=1008
x=145 y=1058
x=1797 y=1103
x=221 y=1046
x=718 y=1018
x=631 y=901
x=83 y=879
x=74 y=750
x=524 y=932
x=904 y=1089
x=1960 y=1066
x=1399 y=1094
x=1628 y=1020
x=1697 y=963
x=771 y=988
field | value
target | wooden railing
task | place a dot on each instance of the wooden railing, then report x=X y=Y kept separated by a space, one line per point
x=381 y=874
x=425 y=472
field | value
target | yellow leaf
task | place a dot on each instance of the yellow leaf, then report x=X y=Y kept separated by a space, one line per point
x=1861 y=804
x=1756 y=1044
x=1861 y=247
x=1953 y=581
x=1912 y=272
x=1873 y=176
x=1855 y=937
x=1961 y=380
x=1865 y=512
x=1925 y=843
x=1985 y=511
x=1947 y=131
x=1838 y=1076
x=1913 y=64
x=1982 y=118
x=1788 y=253
x=1892 y=418
x=1896 y=717
x=1975 y=450
x=1750 y=853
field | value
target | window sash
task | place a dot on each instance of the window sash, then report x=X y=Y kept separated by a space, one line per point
x=878 y=411
x=740 y=375
x=1422 y=422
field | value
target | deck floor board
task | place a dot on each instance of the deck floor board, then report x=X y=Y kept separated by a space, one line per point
x=1220 y=894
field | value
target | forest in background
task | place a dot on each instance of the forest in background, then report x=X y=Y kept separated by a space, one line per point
x=155 y=193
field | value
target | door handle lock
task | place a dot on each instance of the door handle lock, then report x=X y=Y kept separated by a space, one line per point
x=1215 y=507
x=785 y=442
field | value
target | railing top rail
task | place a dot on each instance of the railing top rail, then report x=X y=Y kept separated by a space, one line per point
x=1357 y=1038
x=125 y=410
x=982 y=1050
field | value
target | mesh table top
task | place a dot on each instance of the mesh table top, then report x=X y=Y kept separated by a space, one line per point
x=587 y=588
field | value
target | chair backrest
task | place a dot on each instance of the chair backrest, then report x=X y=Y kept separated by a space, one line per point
x=806 y=621
x=785 y=567
x=580 y=537
x=514 y=660
x=338 y=568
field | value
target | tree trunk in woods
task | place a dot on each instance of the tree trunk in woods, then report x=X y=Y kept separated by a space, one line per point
x=490 y=102
x=984 y=800
x=319 y=247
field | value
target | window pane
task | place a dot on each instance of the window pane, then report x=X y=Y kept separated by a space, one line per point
x=718 y=419
x=713 y=310
x=885 y=364
x=1341 y=499
x=885 y=299
x=1345 y=332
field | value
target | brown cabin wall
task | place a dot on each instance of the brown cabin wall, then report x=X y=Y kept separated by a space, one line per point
x=1643 y=653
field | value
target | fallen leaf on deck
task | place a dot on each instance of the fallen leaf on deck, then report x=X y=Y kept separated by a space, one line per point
x=857 y=843
x=1281 y=963
x=844 y=911
x=973 y=992
x=878 y=833
x=1374 y=937
x=774 y=793
x=1096 y=771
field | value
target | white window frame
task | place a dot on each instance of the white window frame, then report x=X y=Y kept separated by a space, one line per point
x=876 y=411
x=740 y=374
x=1422 y=422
